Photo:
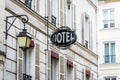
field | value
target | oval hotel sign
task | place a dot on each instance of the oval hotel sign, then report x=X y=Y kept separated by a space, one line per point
x=63 y=37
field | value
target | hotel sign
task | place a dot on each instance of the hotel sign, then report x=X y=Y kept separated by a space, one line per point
x=63 y=37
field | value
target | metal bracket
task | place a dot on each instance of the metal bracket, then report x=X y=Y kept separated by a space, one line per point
x=22 y=17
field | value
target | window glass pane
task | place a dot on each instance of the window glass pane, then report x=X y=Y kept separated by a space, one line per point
x=105 y=24
x=24 y=63
x=112 y=23
x=111 y=13
x=112 y=52
x=54 y=68
x=107 y=78
x=112 y=48
x=110 y=78
x=113 y=78
x=68 y=73
x=106 y=58
x=28 y=3
x=108 y=18
x=105 y=14
x=106 y=45
x=112 y=58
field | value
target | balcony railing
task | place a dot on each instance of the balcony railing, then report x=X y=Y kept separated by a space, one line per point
x=53 y=20
x=28 y=3
x=86 y=43
x=27 y=77
x=109 y=58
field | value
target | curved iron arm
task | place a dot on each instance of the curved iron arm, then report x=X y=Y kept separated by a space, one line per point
x=24 y=19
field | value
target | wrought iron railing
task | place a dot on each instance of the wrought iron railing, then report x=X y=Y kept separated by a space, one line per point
x=86 y=43
x=53 y=20
x=28 y=3
x=27 y=77
x=109 y=58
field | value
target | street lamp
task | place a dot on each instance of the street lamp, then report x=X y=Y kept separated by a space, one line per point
x=24 y=39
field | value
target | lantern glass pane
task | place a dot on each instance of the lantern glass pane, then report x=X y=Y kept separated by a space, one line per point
x=22 y=41
x=28 y=42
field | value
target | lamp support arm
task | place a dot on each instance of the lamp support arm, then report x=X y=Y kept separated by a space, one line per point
x=24 y=20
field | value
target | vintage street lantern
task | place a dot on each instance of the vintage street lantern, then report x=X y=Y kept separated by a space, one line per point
x=24 y=39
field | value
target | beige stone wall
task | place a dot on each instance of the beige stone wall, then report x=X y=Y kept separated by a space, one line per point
x=2 y=24
x=111 y=34
x=81 y=57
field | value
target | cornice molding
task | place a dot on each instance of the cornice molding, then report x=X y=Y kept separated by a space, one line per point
x=92 y=4
x=80 y=46
x=34 y=14
x=87 y=50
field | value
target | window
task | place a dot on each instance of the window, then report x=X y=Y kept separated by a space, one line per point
x=88 y=74
x=53 y=20
x=28 y=3
x=26 y=64
x=108 y=18
x=54 y=66
x=87 y=32
x=109 y=50
x=69 y=71
x=69 y=14
x=110 y=78
x=54 y=11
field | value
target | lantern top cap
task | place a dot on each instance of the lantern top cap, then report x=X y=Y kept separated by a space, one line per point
x=24 y=33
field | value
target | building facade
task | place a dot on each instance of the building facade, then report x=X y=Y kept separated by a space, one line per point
x=43 y=60
x=108 y=39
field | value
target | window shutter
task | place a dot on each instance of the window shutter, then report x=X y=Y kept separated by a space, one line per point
x=91 y=37
x=37 y=56
x=61 y=17
x=64 y=18
x=65 y=12
x=61 y=12
x=62 y=68
x=49 y=7
x=74 y=17
x=75 y=70
x=20 y=66
x=49 y=65
x=36 y=5
x=83 y=25
x=65 y=68
x=37 y=73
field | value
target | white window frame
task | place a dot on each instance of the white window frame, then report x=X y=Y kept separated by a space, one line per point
x=69 y=16
x=110 y=78
x=54 y=9
x=26 y=62
x=109 y=20
x=54 y=68
x=109 y=54
x=69 y=73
